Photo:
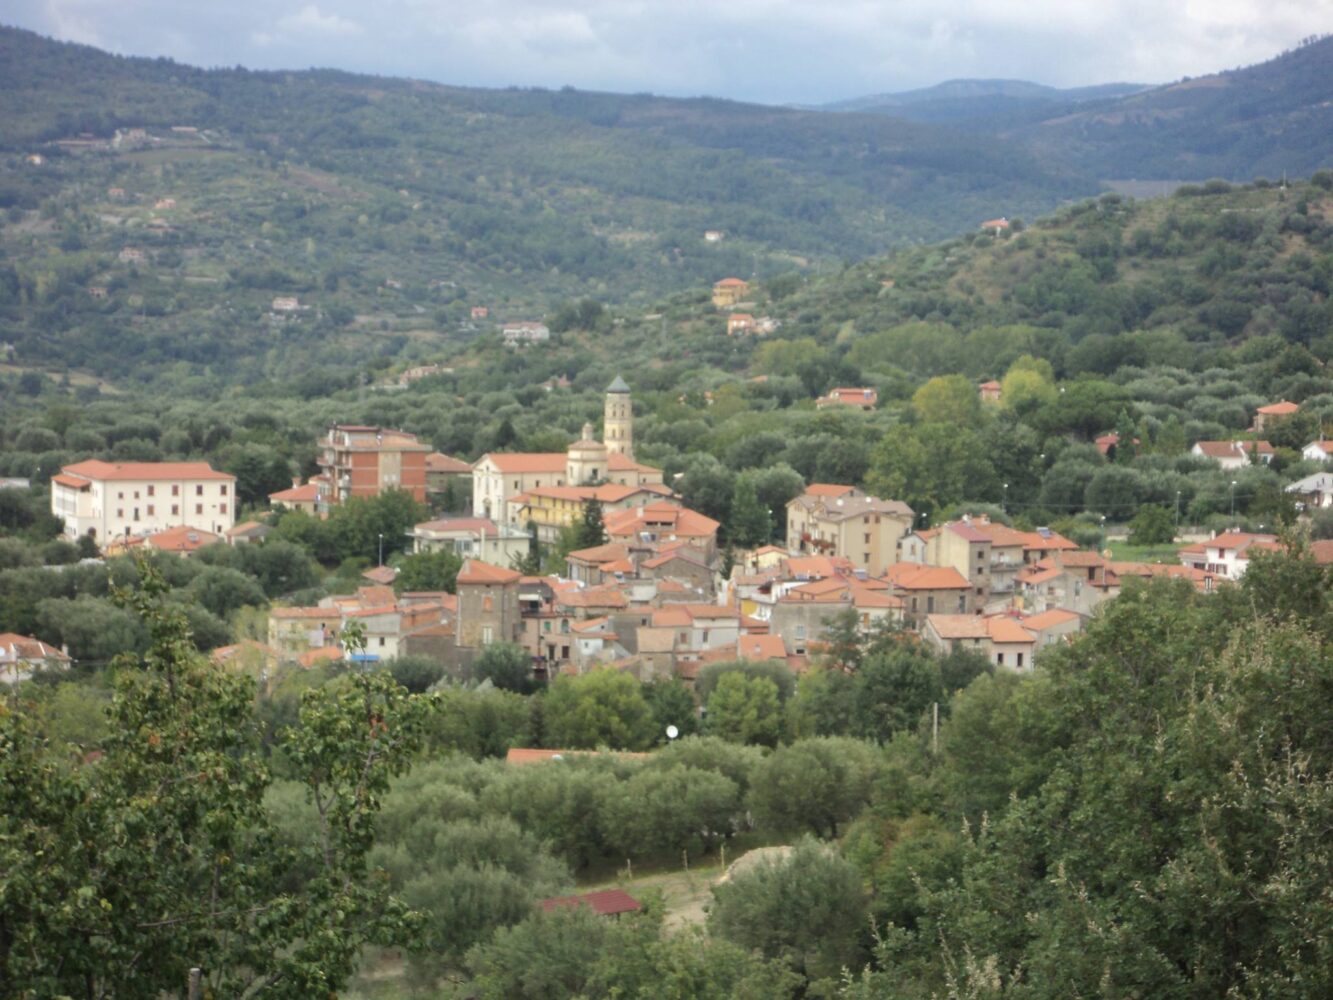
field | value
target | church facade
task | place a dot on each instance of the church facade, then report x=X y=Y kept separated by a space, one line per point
x=498 y=477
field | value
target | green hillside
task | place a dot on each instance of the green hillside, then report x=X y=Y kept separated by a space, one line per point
x=1263 y=120
x=391 y=207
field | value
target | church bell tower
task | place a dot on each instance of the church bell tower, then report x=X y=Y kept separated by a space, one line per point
x=618 y=427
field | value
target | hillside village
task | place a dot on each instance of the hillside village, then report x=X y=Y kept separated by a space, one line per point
x=657 y=597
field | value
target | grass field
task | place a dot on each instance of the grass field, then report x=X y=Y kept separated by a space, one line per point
x=1124 y=552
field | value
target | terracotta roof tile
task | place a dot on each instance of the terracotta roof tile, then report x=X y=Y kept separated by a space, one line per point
x=104 y=471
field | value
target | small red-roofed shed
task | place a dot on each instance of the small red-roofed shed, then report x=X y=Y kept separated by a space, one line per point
x=609 y=903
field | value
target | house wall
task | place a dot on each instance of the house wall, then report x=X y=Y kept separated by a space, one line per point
x=488 y=613
x=113 y=508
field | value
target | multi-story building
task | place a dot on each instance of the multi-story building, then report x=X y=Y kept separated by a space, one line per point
x=472 y=537
x=843 y=521
x=729 y=291
x=358 y=461
x=967 y=549
x=488 y=605
x=553 y=508
x=110 y=500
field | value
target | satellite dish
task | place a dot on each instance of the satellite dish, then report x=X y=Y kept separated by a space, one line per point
x=672 y=732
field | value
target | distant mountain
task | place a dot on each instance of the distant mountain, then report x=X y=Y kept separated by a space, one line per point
x=190 y=199
x=1262 y=120
x=996 y=102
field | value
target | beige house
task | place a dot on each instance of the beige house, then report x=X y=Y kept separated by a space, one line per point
x=21 y=656
x=858 y=398
x=843 y=521
x=1267 y=416
x=1003 y=640
x=113 y=500
x=729 y=291
x=473 y=537
x=965 y=548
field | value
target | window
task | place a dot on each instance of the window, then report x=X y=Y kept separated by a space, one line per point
x=1018 y=659
x=175 y=489
x=151 y=489
x=487 y=635
x=199 y=490
x=546 y=626
x=136 y=513
x=175 y=509
x=867 y=538
x=800 y=631
x=222 y=509
x=120 y=513
x=564 y=652
x=381 y=642
x=120 y=496
x=223 y=487
x=999 y=659
x=151 y=510
x=198 y=508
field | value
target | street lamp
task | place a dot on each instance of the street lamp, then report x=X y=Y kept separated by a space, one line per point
x=1177 y=511
x=1004 y=505
x=381 y=548
x=1233 y=501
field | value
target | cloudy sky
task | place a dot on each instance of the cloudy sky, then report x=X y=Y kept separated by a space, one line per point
x=775 y=51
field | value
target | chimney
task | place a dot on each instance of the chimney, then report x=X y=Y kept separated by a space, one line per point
x=296 y=481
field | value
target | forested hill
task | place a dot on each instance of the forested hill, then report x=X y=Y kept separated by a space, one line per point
x=989 y=104
x=1263 y=120
x=1214 y=272
x=604 y=187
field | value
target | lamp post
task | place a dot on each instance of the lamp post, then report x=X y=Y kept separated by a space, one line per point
x=1004 y=505
x=381 y=548
x=1177 y=511
x=1233 y=501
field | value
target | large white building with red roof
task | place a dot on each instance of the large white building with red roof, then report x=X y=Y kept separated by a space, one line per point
x=110 y=500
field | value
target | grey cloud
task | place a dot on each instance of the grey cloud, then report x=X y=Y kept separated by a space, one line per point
x=763 y=50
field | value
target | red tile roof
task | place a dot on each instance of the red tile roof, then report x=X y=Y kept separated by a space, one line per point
x=307 y=493
x=103 y=471
x=828 y=490
x=439 y=462
x=915 y=576
x=24 y=647
x=475 y=571
x=761 y=647
x=181 y=539
x=1050 y=618
x=1280 y=409
x=605 y=904
x=520 y=462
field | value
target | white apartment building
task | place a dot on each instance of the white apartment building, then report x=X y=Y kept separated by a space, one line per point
x=110 y=500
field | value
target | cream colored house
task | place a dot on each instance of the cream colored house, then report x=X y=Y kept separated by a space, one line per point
x=843 y=521
x=109 y=500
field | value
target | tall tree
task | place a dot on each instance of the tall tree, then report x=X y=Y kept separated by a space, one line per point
x=119 y=876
